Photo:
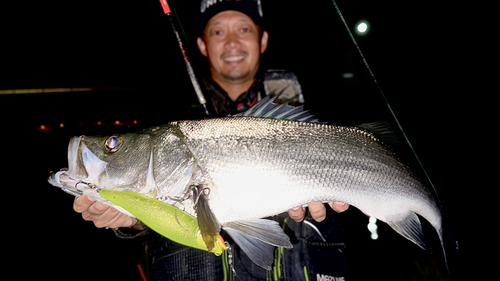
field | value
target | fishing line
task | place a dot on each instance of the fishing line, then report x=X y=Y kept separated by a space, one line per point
x=384 y=97
x=192 y=76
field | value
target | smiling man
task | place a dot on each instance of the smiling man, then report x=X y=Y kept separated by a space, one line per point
x=233 y=43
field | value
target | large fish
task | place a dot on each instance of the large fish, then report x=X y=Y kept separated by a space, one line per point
x=231 y=172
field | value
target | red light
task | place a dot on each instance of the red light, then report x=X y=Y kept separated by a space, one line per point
x=43 y=128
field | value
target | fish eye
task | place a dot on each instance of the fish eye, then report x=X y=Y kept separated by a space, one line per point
x=113 y=143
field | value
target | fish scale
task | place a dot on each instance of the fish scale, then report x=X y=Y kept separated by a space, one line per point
x=288 y=152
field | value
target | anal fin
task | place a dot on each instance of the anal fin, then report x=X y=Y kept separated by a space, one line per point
x=257 y=239
x=410 y=228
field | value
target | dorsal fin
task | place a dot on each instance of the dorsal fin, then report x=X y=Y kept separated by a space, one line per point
x=267 y=108
x=386 y=133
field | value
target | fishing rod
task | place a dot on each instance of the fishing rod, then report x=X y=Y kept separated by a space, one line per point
x=192 y=76
x=385 y=98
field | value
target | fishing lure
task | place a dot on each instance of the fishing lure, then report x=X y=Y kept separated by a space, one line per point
x=164 y=219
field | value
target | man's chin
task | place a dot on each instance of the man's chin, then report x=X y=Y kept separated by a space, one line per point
x=236 y=77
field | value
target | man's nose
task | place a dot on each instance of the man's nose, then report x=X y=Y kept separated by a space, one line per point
x=232 y=41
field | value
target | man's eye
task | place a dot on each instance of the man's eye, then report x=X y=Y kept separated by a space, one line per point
x=245 y=29
x=217 y=32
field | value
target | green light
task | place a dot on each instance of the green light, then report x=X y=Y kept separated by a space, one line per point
x=362 y=27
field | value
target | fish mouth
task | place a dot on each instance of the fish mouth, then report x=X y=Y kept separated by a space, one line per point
x=84 y=169
x=76 y=187
x=73 y=186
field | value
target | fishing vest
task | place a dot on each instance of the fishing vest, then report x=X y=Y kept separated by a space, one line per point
x=270 y=83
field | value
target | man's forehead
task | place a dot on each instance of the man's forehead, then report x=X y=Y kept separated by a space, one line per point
x=229 y=16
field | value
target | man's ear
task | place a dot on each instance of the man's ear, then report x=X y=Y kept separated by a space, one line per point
x=202 y=46
x=263 y=41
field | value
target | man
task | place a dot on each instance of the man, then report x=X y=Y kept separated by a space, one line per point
x=232 y=42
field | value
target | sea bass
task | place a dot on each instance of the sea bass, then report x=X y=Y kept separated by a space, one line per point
x=230 y=172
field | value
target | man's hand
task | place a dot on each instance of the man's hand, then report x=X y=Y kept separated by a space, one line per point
x=103 y=215
x=317 y=210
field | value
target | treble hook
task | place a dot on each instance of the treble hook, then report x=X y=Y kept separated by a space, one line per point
x=91 y=185
x=79 y=182
x=198 y=191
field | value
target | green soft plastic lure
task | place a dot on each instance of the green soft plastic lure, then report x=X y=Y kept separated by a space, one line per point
x=163 y=218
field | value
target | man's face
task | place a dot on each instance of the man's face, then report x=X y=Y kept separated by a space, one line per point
x=233 y=46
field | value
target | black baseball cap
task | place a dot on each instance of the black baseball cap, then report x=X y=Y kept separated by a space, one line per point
x=210 y=8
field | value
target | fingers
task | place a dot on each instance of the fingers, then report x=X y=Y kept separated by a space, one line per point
x=297 y=214
x=101 y=214
x=339 y=207
x=82 y=203
x=317 y=210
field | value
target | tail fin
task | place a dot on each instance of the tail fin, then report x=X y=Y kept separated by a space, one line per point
x=411 y=228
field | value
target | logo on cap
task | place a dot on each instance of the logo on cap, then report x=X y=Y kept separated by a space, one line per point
x=205 y=4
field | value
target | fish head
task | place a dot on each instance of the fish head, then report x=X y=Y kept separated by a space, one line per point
x=116 y=162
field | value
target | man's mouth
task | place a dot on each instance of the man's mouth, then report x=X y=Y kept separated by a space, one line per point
x=234 y=58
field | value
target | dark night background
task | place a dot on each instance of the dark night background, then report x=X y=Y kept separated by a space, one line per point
x=128 y=51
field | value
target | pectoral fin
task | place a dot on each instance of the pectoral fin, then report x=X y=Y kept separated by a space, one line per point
x=411 y=229
x=257 y=239
x=209 y=226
